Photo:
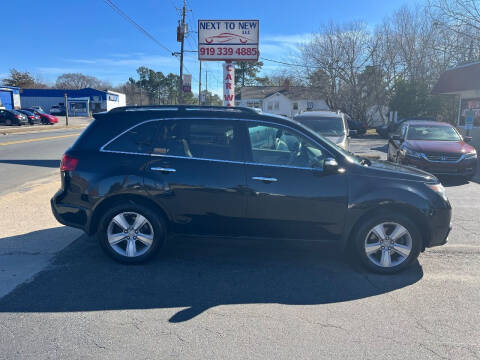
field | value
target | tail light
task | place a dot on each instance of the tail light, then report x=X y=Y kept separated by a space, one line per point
x=17 y=116
x=68 y=163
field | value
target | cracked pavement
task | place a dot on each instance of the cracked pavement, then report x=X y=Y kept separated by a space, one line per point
x=231 y=298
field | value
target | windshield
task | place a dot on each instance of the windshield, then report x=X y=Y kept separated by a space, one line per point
x=326 y=126
x=429 y=132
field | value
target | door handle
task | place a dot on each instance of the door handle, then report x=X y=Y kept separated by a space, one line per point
x=164 y=170
x=265 y=179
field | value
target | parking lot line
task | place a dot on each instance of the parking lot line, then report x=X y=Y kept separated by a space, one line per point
x=37 y=139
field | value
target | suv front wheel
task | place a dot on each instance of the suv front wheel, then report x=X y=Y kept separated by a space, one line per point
x=388 y=242
x=131 y=233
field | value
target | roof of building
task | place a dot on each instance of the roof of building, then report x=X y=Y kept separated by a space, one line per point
x=61 y=92
x=292 y=92
x=461 y=78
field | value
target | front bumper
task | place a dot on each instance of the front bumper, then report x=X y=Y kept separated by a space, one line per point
x=465 y=167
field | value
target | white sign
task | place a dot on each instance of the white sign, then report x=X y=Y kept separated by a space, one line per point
x=187 y=83
x=228 y=40
x=228 y=84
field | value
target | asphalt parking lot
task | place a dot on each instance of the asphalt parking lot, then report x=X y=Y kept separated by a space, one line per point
x=228 y=298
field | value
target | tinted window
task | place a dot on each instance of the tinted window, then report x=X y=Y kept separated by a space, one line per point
x=136 y=140
x=279 y=146
x=324 y=125
x=205 y=139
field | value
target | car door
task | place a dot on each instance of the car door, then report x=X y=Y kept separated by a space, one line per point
x=3 y=116
x=197 y=173
x=289 y=194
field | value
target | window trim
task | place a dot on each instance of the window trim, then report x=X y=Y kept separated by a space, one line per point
x=248 y=150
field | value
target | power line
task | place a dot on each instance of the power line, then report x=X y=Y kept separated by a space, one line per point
x=140 y=28
x=285 y=63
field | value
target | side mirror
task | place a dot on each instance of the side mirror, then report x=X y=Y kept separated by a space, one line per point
x=330 y=164
x=467 y=138
x=396 y=137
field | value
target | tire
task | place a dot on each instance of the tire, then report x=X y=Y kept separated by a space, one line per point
x=403 y=250
x=153 y=230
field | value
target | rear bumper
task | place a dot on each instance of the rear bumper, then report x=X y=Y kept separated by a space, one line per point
x=66 y=214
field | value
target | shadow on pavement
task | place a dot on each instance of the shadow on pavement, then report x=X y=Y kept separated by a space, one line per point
x=38 y=163
x=198 y=274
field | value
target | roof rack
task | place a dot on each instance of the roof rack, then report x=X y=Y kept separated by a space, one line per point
x=184 y=108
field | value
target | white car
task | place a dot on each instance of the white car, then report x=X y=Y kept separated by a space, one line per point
x=329 y=124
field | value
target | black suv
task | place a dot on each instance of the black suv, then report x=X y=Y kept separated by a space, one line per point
x=138 y=173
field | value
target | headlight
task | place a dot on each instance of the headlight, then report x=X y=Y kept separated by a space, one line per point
x=413 y=153
x=471 y=155
x=438 y=188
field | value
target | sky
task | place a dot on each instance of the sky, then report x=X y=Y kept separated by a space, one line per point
x=52 y=37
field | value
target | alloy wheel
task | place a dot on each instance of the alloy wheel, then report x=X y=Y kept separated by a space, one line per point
x=388 y=244
x=130 y=234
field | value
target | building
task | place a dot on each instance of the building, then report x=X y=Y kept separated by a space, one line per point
x=464 y=82
x=81 y=102
x=282 y=100
x=9 y=97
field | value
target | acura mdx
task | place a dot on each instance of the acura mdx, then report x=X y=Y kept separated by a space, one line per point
x=137 y=174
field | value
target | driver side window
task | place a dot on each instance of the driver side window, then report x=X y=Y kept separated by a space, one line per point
x=272 y=145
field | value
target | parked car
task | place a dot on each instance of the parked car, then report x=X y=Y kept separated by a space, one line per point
x=12 y=117
x=138 y=173
x=435 y=147
x=46 y=119
x=329 y=124
x=390 y=128
x=356 y=125
x=38 y=108
x=32 y=118
x=57 y=110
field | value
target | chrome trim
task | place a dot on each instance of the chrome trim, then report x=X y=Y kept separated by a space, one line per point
x=197 y=158
x=124 y=152
x=443 y=161
x=266 y=179
x=166 y=170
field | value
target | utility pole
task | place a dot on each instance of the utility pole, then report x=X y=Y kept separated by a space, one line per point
x=66 y=109
x=182 y=40
x=206 y=87
x=200 y=85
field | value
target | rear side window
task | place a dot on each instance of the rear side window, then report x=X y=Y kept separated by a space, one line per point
x=136 y=140
x=205 y=139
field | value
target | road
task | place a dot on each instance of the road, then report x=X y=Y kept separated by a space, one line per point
x=28 y=157
x=225 y=298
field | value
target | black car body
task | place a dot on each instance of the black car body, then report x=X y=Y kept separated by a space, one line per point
x=221 y=171
x=12 y=117
x=356 y=125
x=32 y=117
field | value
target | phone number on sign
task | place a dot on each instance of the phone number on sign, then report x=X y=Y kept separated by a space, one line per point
x=228 y=51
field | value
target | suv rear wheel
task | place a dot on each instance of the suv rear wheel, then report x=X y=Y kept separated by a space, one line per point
x=388 y=242
x=131 y=233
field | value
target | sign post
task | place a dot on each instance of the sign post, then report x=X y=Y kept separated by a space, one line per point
x=228 y=84
x=228 y=40
x=66 y=109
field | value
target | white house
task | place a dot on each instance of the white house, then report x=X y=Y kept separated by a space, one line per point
x=282 y=100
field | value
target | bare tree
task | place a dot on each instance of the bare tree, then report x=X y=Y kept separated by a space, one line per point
x=80 y=81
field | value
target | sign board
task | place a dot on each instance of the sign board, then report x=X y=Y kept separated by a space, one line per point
x=469 y=115
x=223 y=40
x=228 y=84
x=187 y=83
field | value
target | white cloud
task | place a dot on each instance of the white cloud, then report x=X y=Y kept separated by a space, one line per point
x=287 y=39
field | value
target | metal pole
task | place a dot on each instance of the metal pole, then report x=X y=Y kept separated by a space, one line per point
x=200 y=84
x=206 y=87
x=182 y=34
x=66 y=109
